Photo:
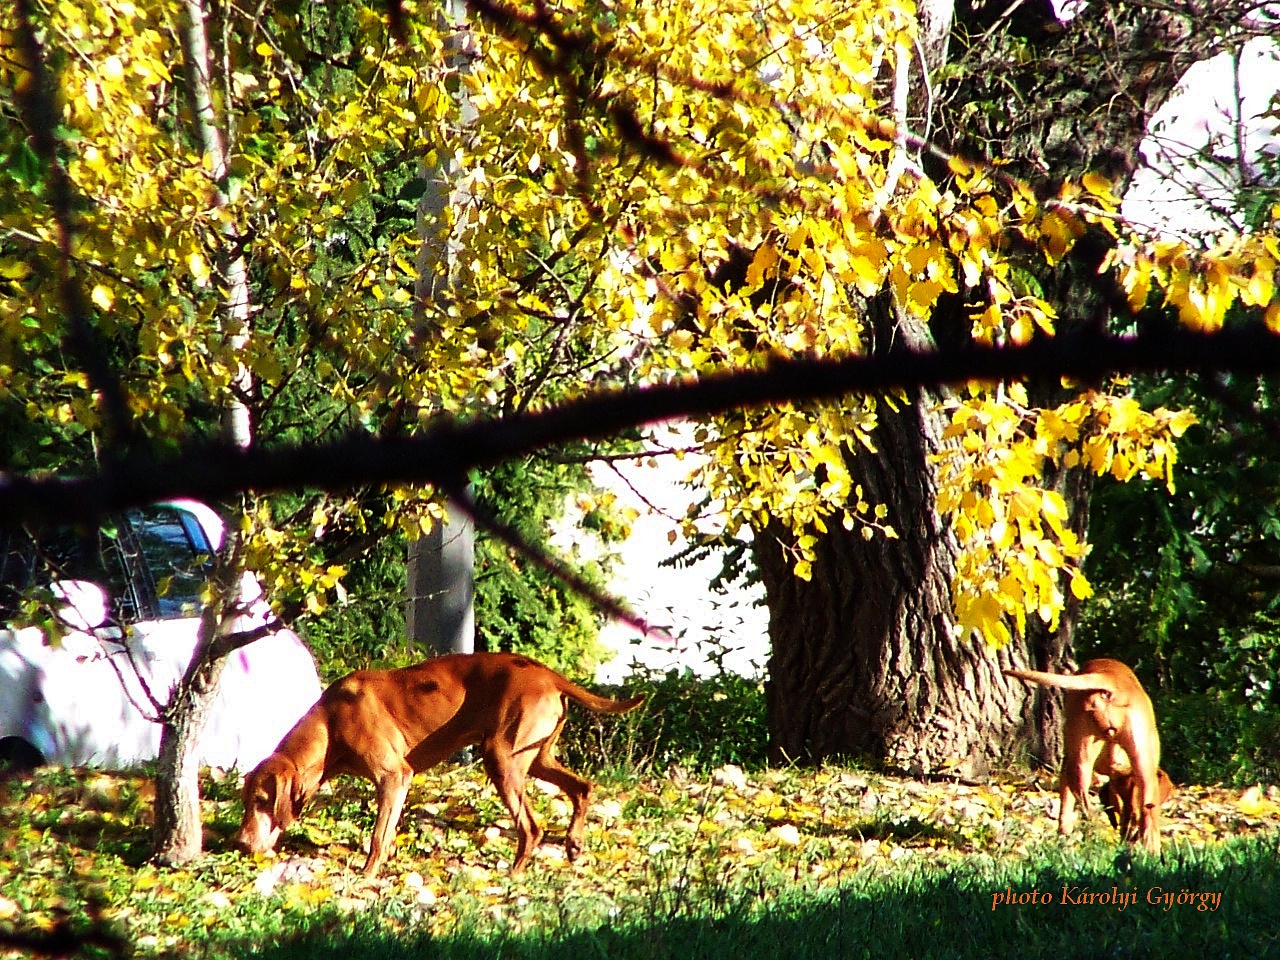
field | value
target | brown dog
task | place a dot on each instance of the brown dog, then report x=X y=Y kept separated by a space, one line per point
x=1118 y=792
x=1120 y=799
x=387 y=725
x=1107 y=711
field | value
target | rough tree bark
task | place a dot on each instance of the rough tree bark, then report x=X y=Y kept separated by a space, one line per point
x=178 y=834
x=864 y=656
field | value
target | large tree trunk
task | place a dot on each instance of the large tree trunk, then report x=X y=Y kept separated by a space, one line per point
x=865 y=659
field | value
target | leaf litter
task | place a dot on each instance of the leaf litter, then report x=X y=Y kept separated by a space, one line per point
x=456 y=842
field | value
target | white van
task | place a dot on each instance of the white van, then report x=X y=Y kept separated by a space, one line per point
x=128 y=602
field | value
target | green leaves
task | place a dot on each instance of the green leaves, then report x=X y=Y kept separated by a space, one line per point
x=600 y=193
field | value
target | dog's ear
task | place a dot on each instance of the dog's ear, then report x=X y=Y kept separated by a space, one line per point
x=283 y=783
x=297 y=795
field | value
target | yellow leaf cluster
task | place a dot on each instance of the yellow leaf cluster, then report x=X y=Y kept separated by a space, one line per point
x=765 y=233
x=1017 y=545
x=151 y=246
x=279 y=554
x=1202 y=284
x=754 y=203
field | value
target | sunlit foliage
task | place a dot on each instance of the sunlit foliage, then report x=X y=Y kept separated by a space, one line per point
x=639 y=192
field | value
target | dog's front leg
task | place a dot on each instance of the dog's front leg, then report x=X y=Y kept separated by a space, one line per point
x=1147 y=816
x=1066 y=806
x=393 y=787
x=1072 y=786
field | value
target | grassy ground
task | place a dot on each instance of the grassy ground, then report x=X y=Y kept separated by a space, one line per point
x=780 y=863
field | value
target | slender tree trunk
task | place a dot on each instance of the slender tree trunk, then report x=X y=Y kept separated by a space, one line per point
x=865 y=658
x=198 y=70
x=1081 y=103
x=1054 y=650
x=178 y=835
x=440 y=568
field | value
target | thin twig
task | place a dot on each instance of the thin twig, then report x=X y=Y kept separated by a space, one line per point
x=506 y=534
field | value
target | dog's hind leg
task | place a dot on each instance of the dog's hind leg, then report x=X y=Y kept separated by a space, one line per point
x=546 y=767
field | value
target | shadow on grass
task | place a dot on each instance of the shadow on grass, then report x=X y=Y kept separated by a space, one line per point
x=87 y=812
x=897 y=828
x=1197 y=904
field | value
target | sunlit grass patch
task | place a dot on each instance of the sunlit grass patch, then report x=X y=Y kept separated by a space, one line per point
x=675 y=865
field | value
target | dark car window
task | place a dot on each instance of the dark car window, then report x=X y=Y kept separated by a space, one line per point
x=29 y=562
x=176 y=555
x=152 y=562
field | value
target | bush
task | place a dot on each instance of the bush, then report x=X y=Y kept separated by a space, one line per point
x=368 y=630
x=1216 y=695
x=1206 y=739
x=519 y=606
x=699 y=724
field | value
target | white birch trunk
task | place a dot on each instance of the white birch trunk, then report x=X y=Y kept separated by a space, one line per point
x=178 y=833
x=198 y=68
x=439 y=613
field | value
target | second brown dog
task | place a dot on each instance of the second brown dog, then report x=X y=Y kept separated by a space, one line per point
x=1108 y=718
x=1120 y=798
x=387 y=725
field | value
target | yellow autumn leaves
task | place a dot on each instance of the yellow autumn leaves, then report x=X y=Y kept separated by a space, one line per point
x=575 y=251
x=1017 y=545
x=1203 y=284
x=151 y=248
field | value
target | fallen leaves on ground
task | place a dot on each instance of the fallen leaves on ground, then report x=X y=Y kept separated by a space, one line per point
x=65 y=829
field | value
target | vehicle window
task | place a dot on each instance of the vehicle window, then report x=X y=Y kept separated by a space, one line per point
x=28 y=562
x=153 y=564
x=176 y=557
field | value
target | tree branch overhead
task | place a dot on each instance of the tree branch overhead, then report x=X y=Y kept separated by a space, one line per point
x=452 y=448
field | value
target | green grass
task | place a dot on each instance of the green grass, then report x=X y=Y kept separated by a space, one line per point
x=695 y=848
x=778 y=863
x=919 y=911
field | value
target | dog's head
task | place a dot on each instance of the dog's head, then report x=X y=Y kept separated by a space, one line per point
x=273 y=799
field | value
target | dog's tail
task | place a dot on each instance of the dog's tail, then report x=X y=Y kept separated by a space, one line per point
x=1067 y=681
x=597 y=703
